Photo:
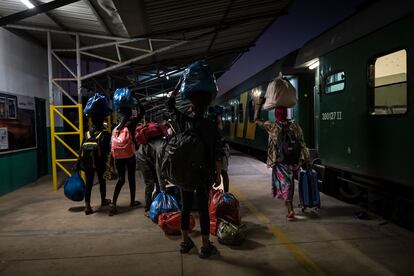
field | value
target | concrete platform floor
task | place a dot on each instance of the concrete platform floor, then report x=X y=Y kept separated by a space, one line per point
x=43 y=233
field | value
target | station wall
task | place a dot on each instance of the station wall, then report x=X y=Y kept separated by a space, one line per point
x=23 y=72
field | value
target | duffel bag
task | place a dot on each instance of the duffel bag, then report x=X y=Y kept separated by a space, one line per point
x=230 y=234
x=170 y=223
x=144 y=133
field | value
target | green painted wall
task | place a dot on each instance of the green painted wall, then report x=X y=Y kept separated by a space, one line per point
x=20 y=168
x=17 y=170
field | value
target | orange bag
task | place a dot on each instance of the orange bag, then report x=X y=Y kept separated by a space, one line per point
x=170 y=223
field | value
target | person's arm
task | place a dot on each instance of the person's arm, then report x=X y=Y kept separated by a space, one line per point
x=258 y=110
x=267 y=125
x=218 y=155
x=141 y=113
x=304 y=153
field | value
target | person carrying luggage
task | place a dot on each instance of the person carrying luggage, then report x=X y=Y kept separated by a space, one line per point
x=95 y=149
x=123 y=148
x=149 y=164
x=207 y=132
x=285 y=155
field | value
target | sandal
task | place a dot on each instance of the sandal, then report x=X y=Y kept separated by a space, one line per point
x=113 y=211
x=135 y=204
x=208 y=251
x=88 y=210
x=186 y=246
x=105 y=202
x=291 y=216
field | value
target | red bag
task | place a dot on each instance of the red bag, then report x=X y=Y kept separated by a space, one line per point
x=122 y=145
x=144 y=133
x=170 y=223
x=223 y=206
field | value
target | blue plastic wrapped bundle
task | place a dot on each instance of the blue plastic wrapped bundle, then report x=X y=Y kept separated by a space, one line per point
x=198 y=83
x=123 y=97
x=74 y=187
x=163 y=203
x=97 y=106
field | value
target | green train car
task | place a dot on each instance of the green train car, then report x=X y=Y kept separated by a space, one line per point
x=355 y=105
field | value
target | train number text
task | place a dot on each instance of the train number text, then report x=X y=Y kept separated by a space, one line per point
x=331 y=116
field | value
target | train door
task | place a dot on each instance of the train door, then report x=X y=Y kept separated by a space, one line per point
x=316 y=108
x=241 y=115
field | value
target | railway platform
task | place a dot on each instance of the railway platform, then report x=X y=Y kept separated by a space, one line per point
x=43 y=233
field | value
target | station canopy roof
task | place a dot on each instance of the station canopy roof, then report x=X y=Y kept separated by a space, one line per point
x=145 y=43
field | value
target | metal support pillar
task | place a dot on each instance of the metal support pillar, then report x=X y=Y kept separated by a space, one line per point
x=78 y=70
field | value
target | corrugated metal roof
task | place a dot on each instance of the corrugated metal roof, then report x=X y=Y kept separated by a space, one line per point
x=217 y=30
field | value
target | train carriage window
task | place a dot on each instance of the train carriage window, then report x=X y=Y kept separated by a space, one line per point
x=3 y=108
x=11 y=108
x=388 y=84
x=232 y=114
x=335 y=82
x=240 y=113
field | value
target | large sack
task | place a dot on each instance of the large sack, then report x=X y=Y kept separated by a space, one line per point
x=182 y=160
x=97 y=106
x=162 y=203
x=74 y=187
x=230 y=234
x=280 y=93
x=170 y=223
x=223 y=206
x=199 y=84
x=123 y=97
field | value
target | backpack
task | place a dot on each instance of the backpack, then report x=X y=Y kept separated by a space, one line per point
x=144 y=133
x=91 y=150
x=288 y=147
x=122 y=145
x=182 y=160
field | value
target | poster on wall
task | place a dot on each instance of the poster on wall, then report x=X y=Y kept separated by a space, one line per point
x=17 y=123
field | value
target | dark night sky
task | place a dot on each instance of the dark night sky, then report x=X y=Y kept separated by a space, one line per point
x=305 y=20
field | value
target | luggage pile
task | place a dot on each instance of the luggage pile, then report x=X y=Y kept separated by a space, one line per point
x=225 y=220
x=165 y=211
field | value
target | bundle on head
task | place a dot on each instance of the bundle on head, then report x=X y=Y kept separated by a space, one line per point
x=97 y=107
x=199 y=84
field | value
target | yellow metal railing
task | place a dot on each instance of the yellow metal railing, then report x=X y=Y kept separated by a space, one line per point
x=57 y=136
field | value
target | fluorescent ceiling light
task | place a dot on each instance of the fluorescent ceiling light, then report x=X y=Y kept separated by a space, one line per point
x=314 y=65
x=28 y=4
